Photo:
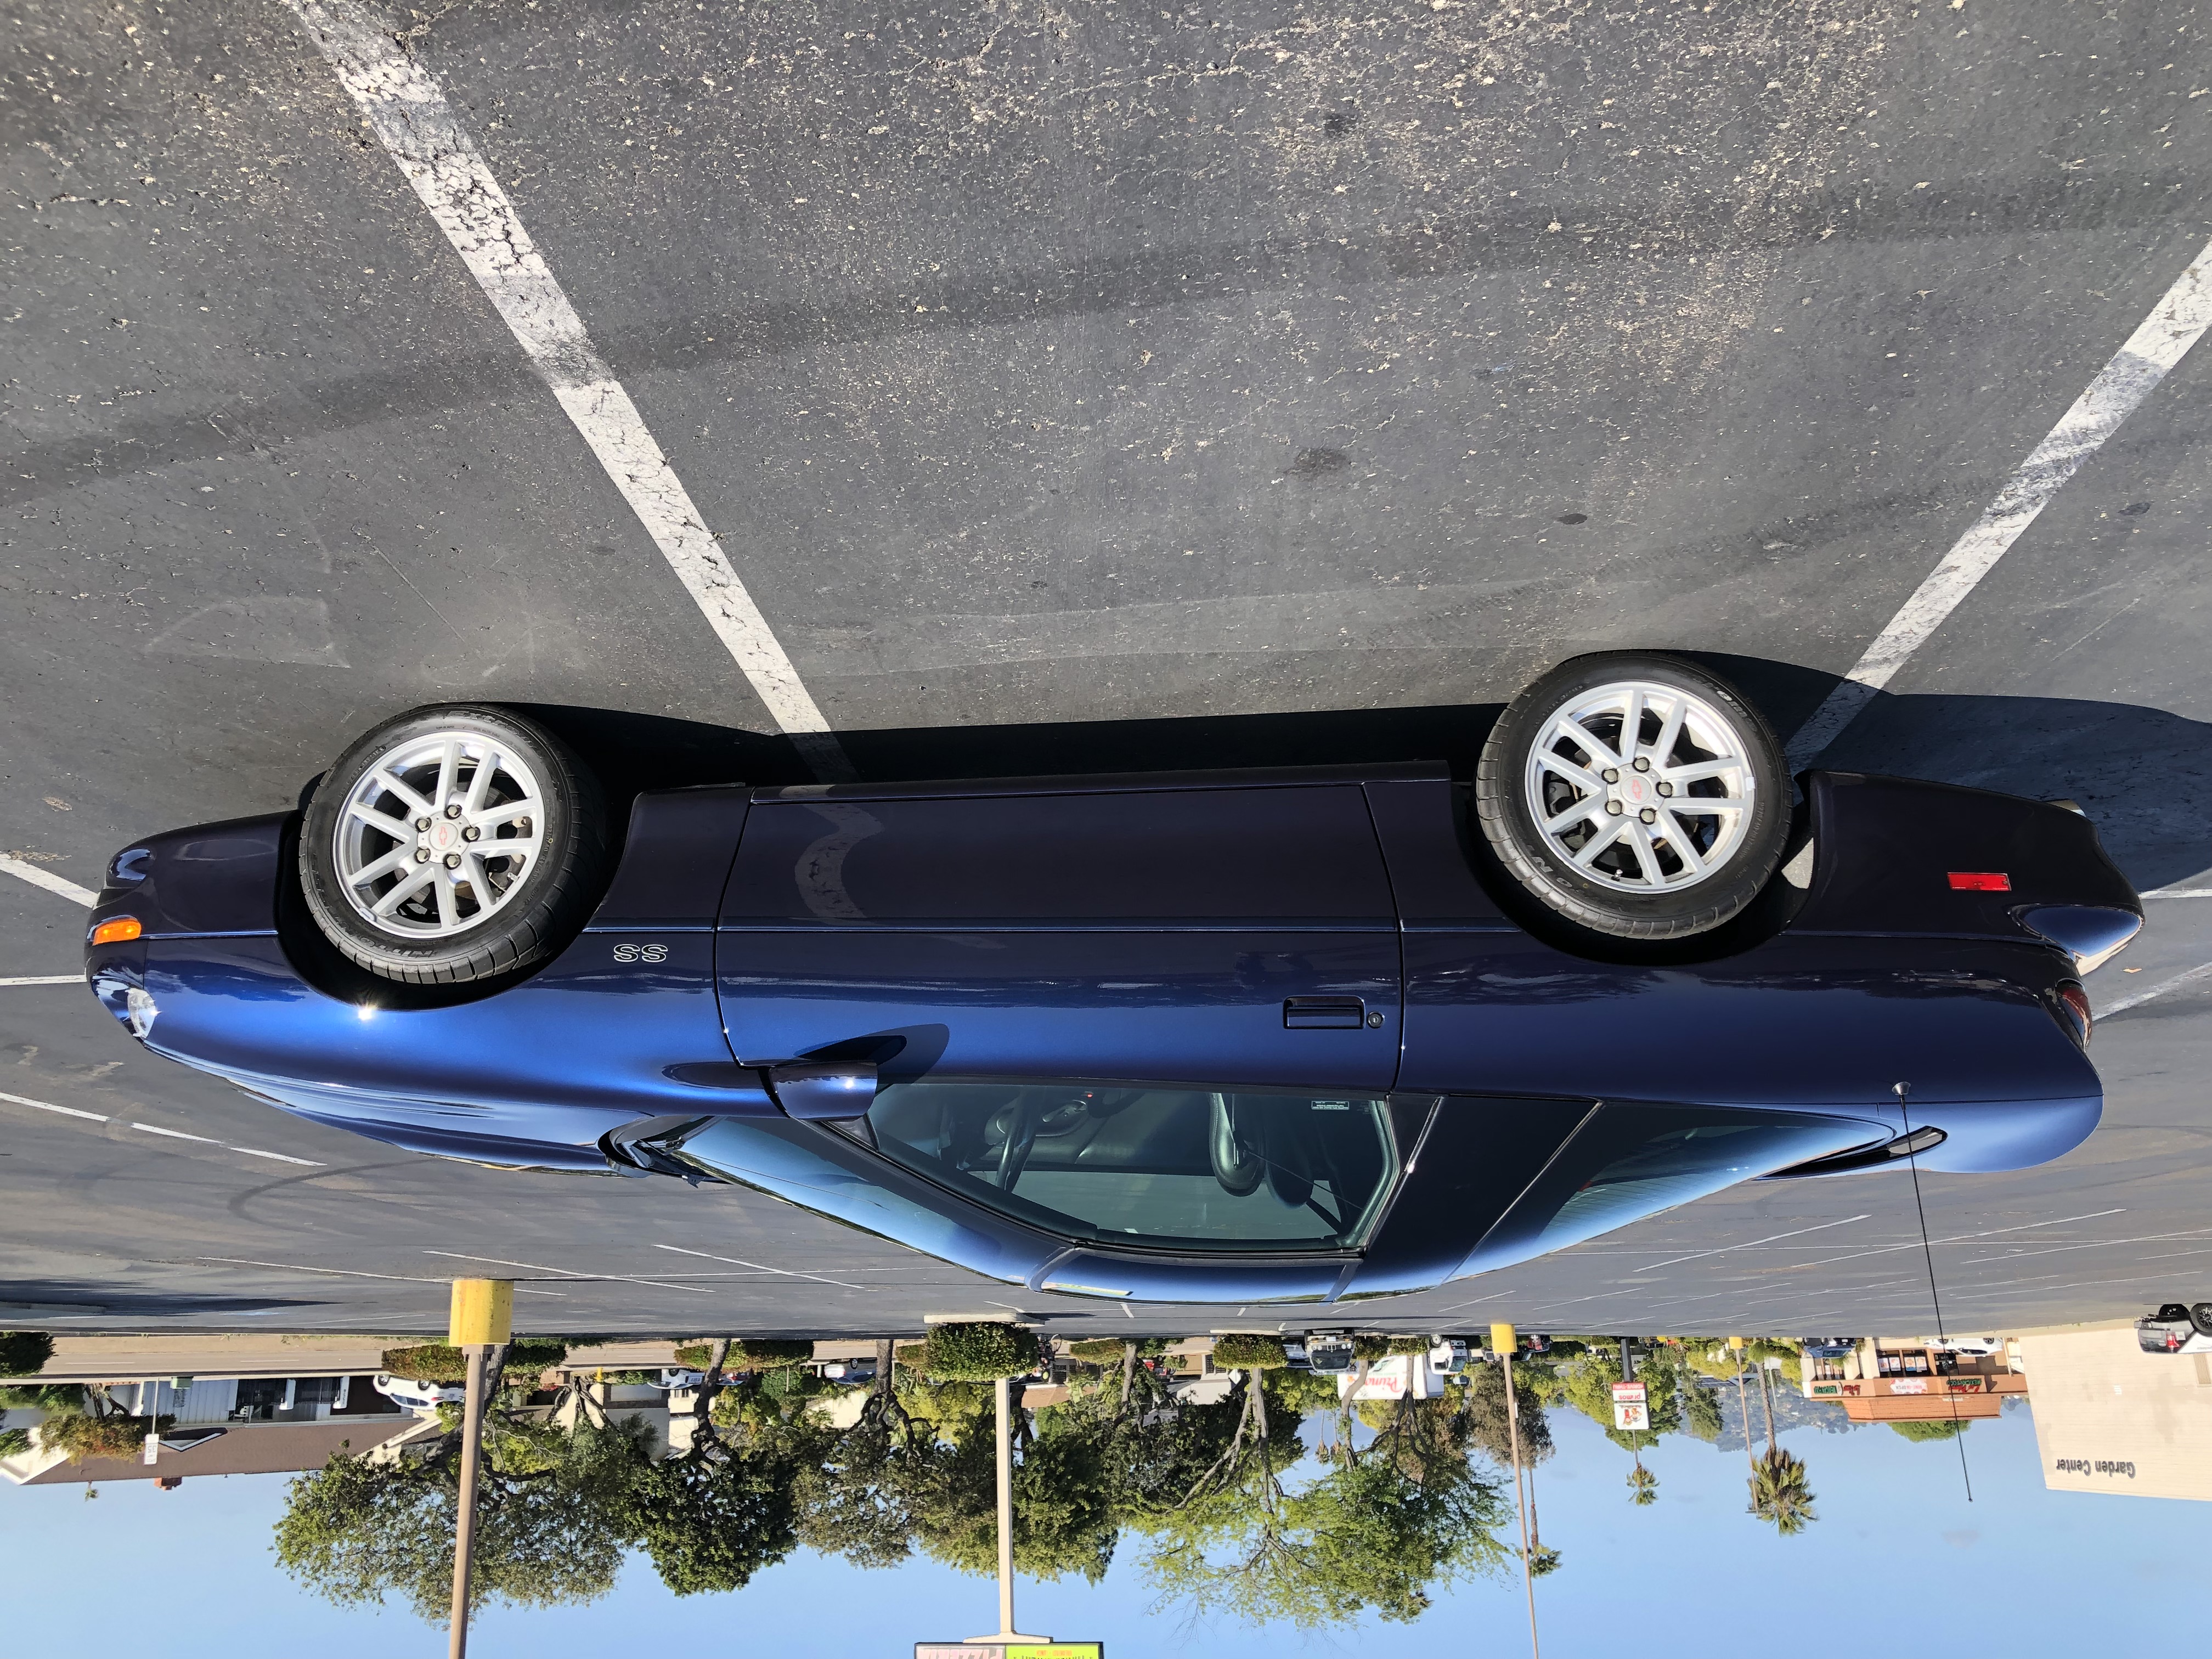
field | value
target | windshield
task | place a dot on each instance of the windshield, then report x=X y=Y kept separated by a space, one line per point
x=1630 y=1162
x=1177 y=1168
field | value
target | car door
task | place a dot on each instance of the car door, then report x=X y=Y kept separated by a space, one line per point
x=1238 y=933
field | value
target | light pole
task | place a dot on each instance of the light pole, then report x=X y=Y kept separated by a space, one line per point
x=482 y=1318
x=1504 y=1340
x=1005 y=1636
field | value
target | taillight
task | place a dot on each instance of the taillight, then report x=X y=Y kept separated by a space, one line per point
x=2069 y=1007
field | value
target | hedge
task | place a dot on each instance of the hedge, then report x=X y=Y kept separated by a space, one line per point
x=23 y=1353
x=42 y=1396
x=83 y=1436
x=1410 y=1345
x=1939 y=1430
x=1107 y=1351
x=1099 y=1351
x=760 y=1354
x=1368 y=1345
x=1240 y=1351
x=441 y=1362
x=981 y=1352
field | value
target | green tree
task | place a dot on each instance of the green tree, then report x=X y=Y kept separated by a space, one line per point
x=550 y=1521
x=711 y=1519
x=1384 y=1525
x=23 y=1354
x=1489 y=1426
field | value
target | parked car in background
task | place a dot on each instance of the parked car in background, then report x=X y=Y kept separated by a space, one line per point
x=1826 y=1347
x=1449 y=1357
x=673 y=1377
x=1329 y=1353
x=2177 y=1327
x=419 y=1395
x=1224 y=1037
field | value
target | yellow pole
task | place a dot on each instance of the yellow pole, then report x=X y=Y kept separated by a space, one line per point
x=482 y=1318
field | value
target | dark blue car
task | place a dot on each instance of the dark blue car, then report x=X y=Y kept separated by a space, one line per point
x=1291 y=1035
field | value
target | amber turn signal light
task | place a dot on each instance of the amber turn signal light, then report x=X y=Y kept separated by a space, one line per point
x=121 y=930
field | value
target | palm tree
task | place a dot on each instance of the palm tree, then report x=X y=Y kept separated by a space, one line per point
x=1541 y=1558
x=1642 y=1484
x=1779 y=1494
x=1743 y=1411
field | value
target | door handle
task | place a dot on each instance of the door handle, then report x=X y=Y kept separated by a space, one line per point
x=1323 y=1013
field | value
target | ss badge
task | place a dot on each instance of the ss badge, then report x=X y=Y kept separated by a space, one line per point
x=640 y=953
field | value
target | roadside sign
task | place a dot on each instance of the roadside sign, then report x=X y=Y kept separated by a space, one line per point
x=1010 y=1650
x=1631 y=1407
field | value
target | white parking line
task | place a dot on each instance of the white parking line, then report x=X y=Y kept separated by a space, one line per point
x=151 y=1129
x=47 y=1106
x=280 y=1157
x=1955 y=1238
x=2179 y=892
x=350 y=1273
x=787 y=1272
x=566 y=1272
x=407 y=109
x=1697 y=1255
x=24 y=869
x=2157 y=990
x=45 y=979
x=2176 y=323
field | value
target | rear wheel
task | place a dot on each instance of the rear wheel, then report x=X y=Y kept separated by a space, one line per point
x=453 y=844
x=2199 y=1316
x=1636 y=794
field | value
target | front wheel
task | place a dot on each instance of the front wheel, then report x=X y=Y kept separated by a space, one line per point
x=2199 y=1316
x=1636 y=794
x=453 y=844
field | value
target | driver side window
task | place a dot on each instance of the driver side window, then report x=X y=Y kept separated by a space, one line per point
x=1210 y=1169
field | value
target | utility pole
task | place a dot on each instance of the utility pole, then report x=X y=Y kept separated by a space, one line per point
x=482 y=1319
x=1504 y=1340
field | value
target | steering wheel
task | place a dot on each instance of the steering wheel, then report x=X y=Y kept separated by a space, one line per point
x=1239 y=1168
x=1014 y=1151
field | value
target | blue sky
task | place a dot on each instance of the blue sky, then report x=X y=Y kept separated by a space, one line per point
x=188 y=1572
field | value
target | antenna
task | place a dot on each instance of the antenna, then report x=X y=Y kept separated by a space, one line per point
x=1904 y=1092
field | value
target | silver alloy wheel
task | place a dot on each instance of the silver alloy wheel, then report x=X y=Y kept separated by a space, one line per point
x=1641 y=786
x=439 y=834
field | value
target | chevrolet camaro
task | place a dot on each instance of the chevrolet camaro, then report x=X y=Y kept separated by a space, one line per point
x=1291 y=1035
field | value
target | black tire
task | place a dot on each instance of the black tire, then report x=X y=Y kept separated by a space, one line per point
x=2199 y=1316
x=536 y=913
x=1537 y=864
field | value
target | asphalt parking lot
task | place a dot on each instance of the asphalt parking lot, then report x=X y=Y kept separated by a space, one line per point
x=1020 y=389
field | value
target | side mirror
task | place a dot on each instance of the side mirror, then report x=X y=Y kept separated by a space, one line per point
x=835 y=1092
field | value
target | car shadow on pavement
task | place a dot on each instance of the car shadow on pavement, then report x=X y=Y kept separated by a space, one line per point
x=2143 y=776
